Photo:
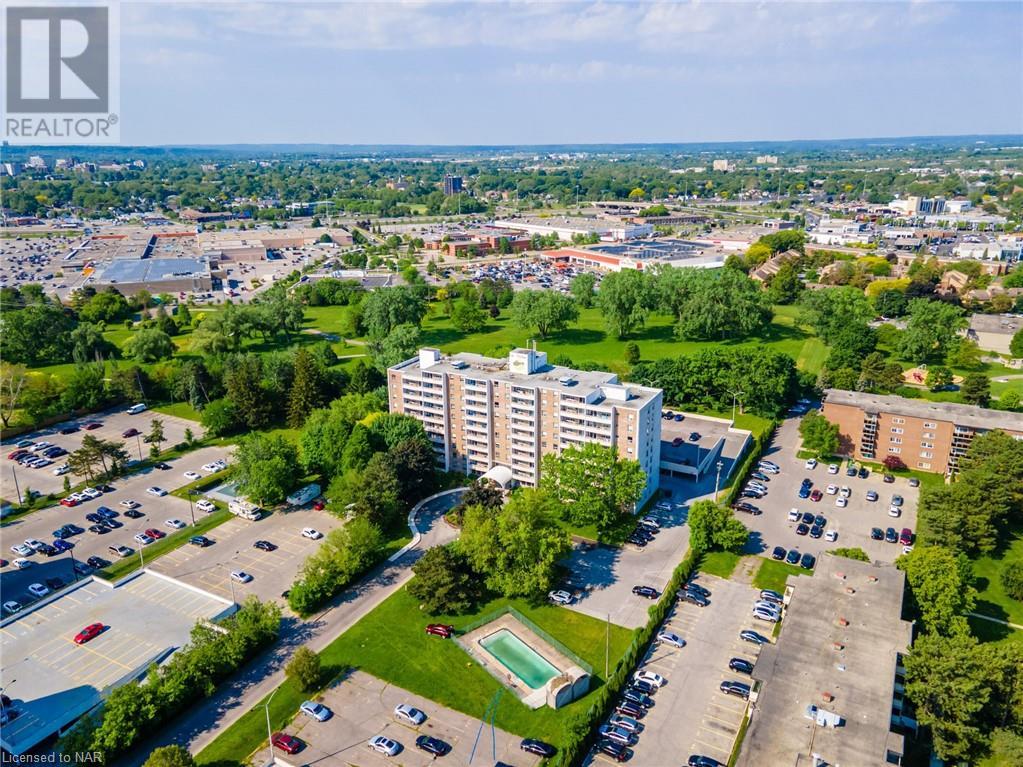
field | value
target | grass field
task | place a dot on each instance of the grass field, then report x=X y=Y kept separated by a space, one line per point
x=774 y=575
x=719 y=563
x=992 y=599
x=441 y=670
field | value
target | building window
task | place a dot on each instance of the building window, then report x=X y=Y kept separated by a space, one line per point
x=923 y=465
x=926 y=444
x=926 y=454
x=896 y=440
x=929 y=425
x=928 y=435
x=898 y=420
x=895 y=450
x=896 y=430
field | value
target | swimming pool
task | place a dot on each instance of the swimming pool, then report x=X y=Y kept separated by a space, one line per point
x=519 y=658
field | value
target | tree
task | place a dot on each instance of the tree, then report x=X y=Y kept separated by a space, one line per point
x=820 y=436
x=468 y=317
x=358 y=449
x=401 y=344
x=305 y=668
x=545 y=310
x=36 y=335
x=418 y=477
x=307 y=389
x=976 y=389
x=625 y=299
x=149 y=345
x=85 y=388
x=1016 y=344
x=220 y=417
x=170 y=756
x=963 y=353
x=938 y=377
x=482 y=492
x=1012 y=580
x=632 y=355
x=582 y=289
x=373 y=493
x=831 y=310
x=266 y=467
x=12 y=382
x=156 y=436
x=941 y=583
x=243 y=379
x=385 y=309
x=718 y=306
x=785 y=286
x=88 y=344
x=712 y=526
x=517 y=547
x=931 y=328
x=443 y=583
x=594 y=484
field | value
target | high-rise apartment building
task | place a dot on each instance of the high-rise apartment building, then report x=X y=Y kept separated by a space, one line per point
x=482 y=412
x=924 y=435
x=452 y=185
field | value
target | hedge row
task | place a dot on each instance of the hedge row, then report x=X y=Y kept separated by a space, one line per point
x=582 y=732
x=759 y=443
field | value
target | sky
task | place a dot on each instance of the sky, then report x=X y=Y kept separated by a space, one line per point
x=550 y=72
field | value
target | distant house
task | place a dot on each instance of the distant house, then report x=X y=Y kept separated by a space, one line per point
x=994 y=332
x=770 y=267
x=953 y=281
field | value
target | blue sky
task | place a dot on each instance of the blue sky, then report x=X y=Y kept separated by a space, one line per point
x=546 y=72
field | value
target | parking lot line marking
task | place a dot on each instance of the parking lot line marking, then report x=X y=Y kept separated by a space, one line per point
x=718 y=749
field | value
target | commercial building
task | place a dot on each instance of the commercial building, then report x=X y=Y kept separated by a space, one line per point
x=840 y=232
x=830 y=690
x=157 y=275
x=566 y=228
x=994 y=332
x=482 y=412
x=639 y=254
x=930 y=436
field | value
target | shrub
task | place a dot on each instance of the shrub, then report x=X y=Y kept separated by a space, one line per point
x=304 y=667
x=1012 y=580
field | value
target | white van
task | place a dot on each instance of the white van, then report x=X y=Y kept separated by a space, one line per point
x=136 y=409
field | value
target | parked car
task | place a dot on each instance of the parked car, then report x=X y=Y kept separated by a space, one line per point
x=691 y=597
x=264 y=546
x=538 y=747
x=289 y=744
x=316 y=711
x=617 y=751
x=384 y=746
x=811 y=463
x=432 y=746
x=311 y=533
x=206 y=505
x=175 y=523
x=698 y=760
x=635 y=696
x=778 y=553
x=201 y=541
x=807 y=561
x=616 y=734
x=832 y=468
x=906 y=537
x=748 y=635
x=650 y=677
x=871 y=495
x=792 y=557
x=671 y=639
x=741 y=665
x=560 y=597
x=816 y=495
x=736 y=688
x=38 y=590
x=121 y=551
x=647 y=592
x=89 y=633
x=240 y=576
x=630 y=709
x=440 y=630
x=409 y=714
x=159 y=492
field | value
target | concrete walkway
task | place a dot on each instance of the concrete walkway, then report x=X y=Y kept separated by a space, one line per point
x=995 y=620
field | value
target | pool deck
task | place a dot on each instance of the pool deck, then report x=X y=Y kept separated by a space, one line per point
x=471 y=644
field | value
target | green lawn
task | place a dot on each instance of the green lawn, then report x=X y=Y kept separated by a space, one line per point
x=179 y=410
x=384 y=644
x=719 y=563
x=773 y=575
x=992 y=599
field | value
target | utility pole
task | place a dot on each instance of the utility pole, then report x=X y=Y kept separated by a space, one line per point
x=607 y=648
x=269 y=732
x=717 y=482
x=17 y=489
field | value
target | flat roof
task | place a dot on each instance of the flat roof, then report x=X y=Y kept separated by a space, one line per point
x=154 y=270
x=52 y=681
x=583 y=382
x=996 y=323
x=962 y=415
x=816 y=655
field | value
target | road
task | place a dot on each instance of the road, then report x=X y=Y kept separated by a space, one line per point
x=205 y=721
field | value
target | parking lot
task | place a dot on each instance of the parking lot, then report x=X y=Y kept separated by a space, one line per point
x=690 y=714
x=363 y=707
x=114 y=424
x=210 y=567
x=156 y=511
x=852 y=523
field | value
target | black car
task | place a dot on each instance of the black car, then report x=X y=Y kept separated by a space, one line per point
x=161 y=466
x=760 y=476
x=816 y=531
x=634 y=696
x=889 y=478
x=808 y=561
x=820 y=520
x=134 y=514
x=792 y=557
x=616 y=751
x=751 y=494
x=538 y=747
x=807 y=482
x=628 y=708
x=807 y=518
x=850 y=471
x=647 y=592
x=694 y=436
x=876 y=534
x=113 y=524
x=97 y=562
x=106 y=488
x=54 y=583
x=914 y=482
x=751 y=636
x=697 y=760
x=201 y=541
x=69 y=430
x=696 y=588
x=99 y=529
x=691 y=597
x=802 y=529
x=891 y=536
x=863 y=473
x=749 y=508
x=47 y=550
x=644 y=687
x=779 y=553
x=741 y=665
x=735 y=688
x=93 y=517
x=637 y=541
x=264 y=546
x=433 y=746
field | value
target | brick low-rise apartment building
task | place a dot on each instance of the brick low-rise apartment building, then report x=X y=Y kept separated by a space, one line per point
x=925 y=435
x=483 y=412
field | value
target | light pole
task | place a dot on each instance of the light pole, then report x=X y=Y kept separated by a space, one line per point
x=269 y=732
x=138 y=442
x=735 y=394
x=191 y=508
x=717 y=482
x=142 y=559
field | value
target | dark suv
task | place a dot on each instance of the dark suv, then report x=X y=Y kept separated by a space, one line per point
x=736 y=688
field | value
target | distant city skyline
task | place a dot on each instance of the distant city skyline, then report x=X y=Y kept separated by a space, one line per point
x=566 y=73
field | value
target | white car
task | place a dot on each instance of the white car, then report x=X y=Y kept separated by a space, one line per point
x=770 y=469
x=831 y=489
x=210 y=468
x=22 y=550
x=192 y=475
x=177 y=524
x=831 y=536
x=35 y=545
x=142 y=538
x=60 y=471
x=385 y=746
x=560 y=597
x=674 y=640
x=832 y=468
x=159 y=492
x=317 y=711
x=769 y=465
x=764 y=615
x=21 y=564
x=811 y=463
x=894 y=511
x=206 y=505
x=767 y=604
x=38 y=590
x=311 y=533
x=841 y=502
x=794 y=515
x=650 y=522
x=650 y=678
x=844 y=491
x=91 y=493
x=907 y=549
x=11 y=606
x=409 y=714
x=130 y=504
x=241 y=576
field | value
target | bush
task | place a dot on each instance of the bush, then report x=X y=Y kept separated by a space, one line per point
x=1012 y=580
x=893 y=463
x=304 y=667
x=852 y=553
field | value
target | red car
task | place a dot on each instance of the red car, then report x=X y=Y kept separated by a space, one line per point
x=130 y=433
x=318 y=505
x=156 y=534
x=289 y=744
x=92 y=425
x=69 y=502
x=440 y=630
x=816 y=495
x=91 y=631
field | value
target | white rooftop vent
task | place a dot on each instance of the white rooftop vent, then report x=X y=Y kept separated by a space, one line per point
x=459 y=364
x=428 y=358
x=566 y=380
